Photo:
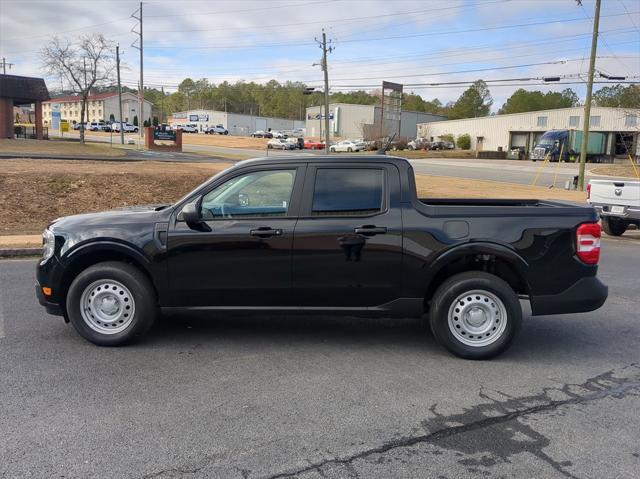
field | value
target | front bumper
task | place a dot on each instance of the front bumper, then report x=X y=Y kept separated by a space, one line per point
x=587 y=294
x=51 y=308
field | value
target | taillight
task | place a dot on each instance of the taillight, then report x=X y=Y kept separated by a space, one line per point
x=588 y=190
x=588 y=243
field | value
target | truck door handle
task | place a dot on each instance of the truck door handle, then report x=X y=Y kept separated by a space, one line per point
x=265 y=232
x=370 y=230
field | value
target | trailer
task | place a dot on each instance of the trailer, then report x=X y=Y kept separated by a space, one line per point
x=565 y=145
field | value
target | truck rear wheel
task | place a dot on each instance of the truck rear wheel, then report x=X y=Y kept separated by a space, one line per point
x=614 y=226
x=475 y=315
x=111 y=303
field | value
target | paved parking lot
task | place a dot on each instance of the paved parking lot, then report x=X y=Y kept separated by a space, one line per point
x=324 y=397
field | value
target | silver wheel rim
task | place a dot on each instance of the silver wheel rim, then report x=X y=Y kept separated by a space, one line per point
x=107 y=306
x=477 y=318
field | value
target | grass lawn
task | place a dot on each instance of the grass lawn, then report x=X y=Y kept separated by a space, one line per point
x=616 y=170
x=57 y=147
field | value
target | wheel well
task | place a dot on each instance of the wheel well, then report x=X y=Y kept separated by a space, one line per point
x=87 y=260
x=478 y=262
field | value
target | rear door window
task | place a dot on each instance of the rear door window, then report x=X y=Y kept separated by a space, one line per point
x=348 y=191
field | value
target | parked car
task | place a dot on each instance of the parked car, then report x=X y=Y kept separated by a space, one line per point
x=187 y=128
x=617 y=201
x=126 y=127
x=98 y=126
x=278 y=134
x=259 y=134
x=348 y=146
x=437 y=145
x=77 y=126
x=324 y=235
x=219 y=129
x=281 y=144
x=448 y=145
x=313 y=145
x=418 y=144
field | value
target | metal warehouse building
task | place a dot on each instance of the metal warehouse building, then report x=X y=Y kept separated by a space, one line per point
x=347 y=120
x=236 y=123
x=524 y=129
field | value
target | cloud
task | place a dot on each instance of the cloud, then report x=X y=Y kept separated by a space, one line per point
x=258 y=41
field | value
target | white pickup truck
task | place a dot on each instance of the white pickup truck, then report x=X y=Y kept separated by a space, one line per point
x=617 y=201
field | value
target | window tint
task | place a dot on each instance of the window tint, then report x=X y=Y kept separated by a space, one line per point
x=574 y=121
x=252 y=195
x=343 y=191
x=542 y=121
x=594 y=121
x=630 y=120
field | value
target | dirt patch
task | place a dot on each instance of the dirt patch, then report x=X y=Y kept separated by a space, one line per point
x=450 y=187
x=625 y=171
x=226 y=141
x=34 y=192
x=57 y=147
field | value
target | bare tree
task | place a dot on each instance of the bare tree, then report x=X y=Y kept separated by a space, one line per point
x=87 y=63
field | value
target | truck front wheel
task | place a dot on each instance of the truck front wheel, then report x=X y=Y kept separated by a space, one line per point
x=475 y=315
x=111 y=303
x=614 y=226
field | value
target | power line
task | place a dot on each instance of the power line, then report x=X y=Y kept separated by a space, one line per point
x=394 y=37
x=225 y=12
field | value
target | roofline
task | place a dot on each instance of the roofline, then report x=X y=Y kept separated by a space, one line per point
x=488 y=117
x=89 y=98
x=377 y=106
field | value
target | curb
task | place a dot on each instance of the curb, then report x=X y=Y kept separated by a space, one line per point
x=17 y=252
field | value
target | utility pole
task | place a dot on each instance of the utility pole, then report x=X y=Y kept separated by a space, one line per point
x=141 y=86
x=119 y=93
x=325 y=68
x=587 y=105
x=162 y=106
x=5 y=65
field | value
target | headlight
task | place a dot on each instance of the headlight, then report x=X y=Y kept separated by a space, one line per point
x=48 y=245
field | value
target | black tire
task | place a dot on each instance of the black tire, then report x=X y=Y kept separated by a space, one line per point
x=226 y=132
x=614 y=226
x=350 y=150
x=142 y=293
x=460 y=284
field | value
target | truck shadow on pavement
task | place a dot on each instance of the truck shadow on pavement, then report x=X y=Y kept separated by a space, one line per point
x=541 y=339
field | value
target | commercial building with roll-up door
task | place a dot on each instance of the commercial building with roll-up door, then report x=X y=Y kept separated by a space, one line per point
x=523 y=130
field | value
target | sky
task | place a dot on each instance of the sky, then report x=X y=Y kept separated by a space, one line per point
x=412 y=42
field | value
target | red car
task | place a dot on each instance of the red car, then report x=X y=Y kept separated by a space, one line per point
x=313 y=145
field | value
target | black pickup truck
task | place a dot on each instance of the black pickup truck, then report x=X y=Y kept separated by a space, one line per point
x=324 y=235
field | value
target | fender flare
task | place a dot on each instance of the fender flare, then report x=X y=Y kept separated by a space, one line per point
x=498 y=250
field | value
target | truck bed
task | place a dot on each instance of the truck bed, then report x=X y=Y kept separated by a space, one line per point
x=500 y=207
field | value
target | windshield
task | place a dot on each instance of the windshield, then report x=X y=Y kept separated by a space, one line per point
x=550 y=137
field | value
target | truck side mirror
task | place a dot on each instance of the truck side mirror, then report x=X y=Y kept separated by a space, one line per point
x=190 y=213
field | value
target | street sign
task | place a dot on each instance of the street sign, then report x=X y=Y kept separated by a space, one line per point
x=164 y=135
x=64 y=125
x=55 y=116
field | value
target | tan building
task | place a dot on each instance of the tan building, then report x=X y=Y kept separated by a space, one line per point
x=99 y=107
x=523 y=130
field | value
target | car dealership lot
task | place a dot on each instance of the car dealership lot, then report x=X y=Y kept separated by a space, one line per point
x=305 y=397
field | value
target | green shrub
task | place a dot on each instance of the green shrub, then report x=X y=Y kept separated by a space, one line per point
x=464 y=142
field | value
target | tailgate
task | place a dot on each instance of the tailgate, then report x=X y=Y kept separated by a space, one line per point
x=617 y=192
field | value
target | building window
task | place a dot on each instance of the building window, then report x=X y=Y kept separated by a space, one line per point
x=630 y=120
x=93 y=112
x=542 y=121
x=574 y=121
x=594 y=121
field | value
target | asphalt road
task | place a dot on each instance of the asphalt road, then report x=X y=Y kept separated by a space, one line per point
x=323 y=397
